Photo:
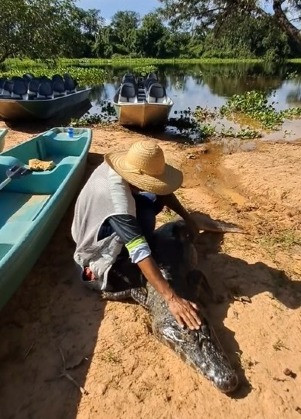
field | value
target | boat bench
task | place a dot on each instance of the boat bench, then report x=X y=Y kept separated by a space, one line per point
x=38 y=183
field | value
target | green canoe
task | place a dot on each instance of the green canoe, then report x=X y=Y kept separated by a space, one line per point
x=3 y=132
x=33 y=204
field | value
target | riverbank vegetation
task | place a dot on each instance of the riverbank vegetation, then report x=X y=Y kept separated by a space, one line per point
x=179 y=29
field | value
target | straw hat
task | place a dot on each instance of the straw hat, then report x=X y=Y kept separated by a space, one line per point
x=144 y=166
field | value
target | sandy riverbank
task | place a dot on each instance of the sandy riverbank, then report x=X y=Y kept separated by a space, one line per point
x=109 y=347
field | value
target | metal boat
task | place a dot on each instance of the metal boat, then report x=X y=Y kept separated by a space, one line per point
x=39 y=97
x=33 y=204
x=142 y=102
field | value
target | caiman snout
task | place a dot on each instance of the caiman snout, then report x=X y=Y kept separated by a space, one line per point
x=215 y=365
x=228 y=384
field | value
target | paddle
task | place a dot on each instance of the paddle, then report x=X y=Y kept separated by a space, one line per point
x=14 y=172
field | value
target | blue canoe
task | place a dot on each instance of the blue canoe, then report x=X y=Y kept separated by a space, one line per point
x=32 y=205
x=3 y=132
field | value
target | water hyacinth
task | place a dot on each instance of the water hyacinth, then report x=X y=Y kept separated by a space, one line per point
x=255 y=105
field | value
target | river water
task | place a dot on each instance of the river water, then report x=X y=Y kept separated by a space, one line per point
x=210 y=85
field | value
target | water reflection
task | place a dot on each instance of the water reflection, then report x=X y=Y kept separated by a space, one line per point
x=209 y=85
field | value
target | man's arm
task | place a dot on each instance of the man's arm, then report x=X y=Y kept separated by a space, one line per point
x=184 y=311
x=172 y=202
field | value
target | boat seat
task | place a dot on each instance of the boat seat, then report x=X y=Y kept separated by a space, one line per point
x=156 y=93
x=33 y=87
x=70 y=84
x=149 y=81
x=56 y=77
x=129 y=78
x=58 y=87
x=7 y=89
x=44 y=78
x=10 y=231
x=13 y=214
x=45 y=90
x=2 y=81
x=152 y=76
x=20 y=89
x=127 y=93
x=28 y=77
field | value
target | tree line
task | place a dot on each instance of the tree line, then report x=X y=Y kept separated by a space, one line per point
x=47 y=29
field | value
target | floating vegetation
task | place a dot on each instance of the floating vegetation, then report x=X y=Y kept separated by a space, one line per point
x=106 y=116
x=244 y=133
x=255 y=105
x=86 y=76
x=144 y=70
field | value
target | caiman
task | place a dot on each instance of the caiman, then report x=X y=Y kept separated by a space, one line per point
x=176 y=257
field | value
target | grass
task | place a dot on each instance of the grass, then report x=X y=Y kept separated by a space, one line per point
x=284 y=240
x=110 y=357
x=278 y=345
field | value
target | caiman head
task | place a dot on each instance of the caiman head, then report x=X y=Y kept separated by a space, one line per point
x=199 y=349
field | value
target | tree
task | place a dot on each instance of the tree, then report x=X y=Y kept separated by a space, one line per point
x=103 y=45
x=45 y=28
x=124 y=27
x=152 y=36
x=12 y=27
x=213 y=13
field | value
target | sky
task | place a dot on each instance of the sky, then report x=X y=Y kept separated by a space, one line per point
x=109 y=7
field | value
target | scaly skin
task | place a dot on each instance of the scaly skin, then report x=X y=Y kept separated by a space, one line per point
x=175 y=255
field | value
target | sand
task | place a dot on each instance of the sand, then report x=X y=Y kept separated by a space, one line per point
x=109 y=348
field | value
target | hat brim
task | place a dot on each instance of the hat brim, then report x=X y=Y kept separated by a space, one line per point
x=170 y=180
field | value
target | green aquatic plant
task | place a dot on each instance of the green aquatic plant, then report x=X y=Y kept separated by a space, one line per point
x=243 y=133
x=291 y=112
x=144 y=70
x=86 y=76
x=207 y=130
x=255 y=105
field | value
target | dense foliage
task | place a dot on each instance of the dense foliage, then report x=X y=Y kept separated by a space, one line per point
x=48 y=29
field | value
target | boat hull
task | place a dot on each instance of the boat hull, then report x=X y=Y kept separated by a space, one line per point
x=13 y=109
x=142 y=114
x=33 y=206
x=3 y=133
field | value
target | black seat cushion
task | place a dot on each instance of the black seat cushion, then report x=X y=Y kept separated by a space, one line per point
x=45 y=89
x=58 y=86
x=33 y=85
x=128 y=90
x=148 y=82
x=20 y=87
x=28 y=76
x=128 y=78
x=2 y=81
x=57 y=77
x=8 y=85
x=69 y=84
x=157 y=91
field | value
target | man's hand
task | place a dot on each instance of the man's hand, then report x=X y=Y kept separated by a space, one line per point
x=185 y=312
x=172 y=202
